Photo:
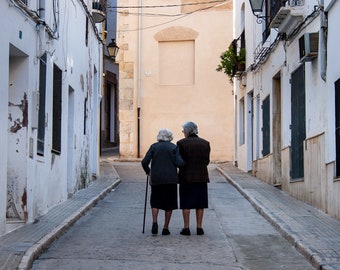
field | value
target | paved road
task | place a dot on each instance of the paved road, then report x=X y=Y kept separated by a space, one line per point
x=110 y=235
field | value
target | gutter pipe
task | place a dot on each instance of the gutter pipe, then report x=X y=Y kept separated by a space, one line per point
x=323 y=41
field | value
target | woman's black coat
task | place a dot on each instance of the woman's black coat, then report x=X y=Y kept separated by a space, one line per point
x=165 y=159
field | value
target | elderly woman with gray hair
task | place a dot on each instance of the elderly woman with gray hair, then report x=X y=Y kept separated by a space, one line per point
x=165 y=159
x=193 y=177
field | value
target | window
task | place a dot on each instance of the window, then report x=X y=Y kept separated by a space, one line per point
x=41 y=116
x=56 y=118
x=266 y=126
x=242 y=121
x=337 y=127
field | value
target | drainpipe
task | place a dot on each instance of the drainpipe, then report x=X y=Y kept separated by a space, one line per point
x=139 y=75
x=323 y=41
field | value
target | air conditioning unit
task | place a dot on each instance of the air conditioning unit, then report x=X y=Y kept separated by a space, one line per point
x=308 y=46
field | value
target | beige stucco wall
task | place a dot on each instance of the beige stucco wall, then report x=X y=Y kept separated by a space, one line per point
x=168 y=70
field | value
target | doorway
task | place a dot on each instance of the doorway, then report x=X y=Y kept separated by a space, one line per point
x=277 y=130
x=298 y=120
x=17 y=139
x=109 y=116
x=250 y=130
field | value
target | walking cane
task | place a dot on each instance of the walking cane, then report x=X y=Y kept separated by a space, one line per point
x=146 y=196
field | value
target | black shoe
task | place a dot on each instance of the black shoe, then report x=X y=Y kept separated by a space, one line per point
x=165 y=232
x=200 y=231
x=185 y=231
x=154 y=229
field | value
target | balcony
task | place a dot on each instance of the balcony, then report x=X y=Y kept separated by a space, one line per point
x=98 y=13
x=288 y=17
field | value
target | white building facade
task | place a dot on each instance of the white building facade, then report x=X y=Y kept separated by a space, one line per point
x=287 y=102
x=51 y=81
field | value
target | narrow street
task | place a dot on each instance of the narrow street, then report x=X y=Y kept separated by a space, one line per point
x=109 y=236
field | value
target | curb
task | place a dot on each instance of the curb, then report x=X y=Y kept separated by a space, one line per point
x=34 y=251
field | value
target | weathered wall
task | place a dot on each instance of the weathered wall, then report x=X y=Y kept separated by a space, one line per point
x=30 y=184
x=263 y=169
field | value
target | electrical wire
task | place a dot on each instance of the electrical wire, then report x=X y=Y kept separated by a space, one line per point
x=152 y=14
x=165 y=15
x=181 y=16
x=161 y=6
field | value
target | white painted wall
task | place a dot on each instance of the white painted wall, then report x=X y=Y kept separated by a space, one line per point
x=333 y=73
x=320 y=190
x=48 y=179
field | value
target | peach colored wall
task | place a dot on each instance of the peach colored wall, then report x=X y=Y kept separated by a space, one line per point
x=176 y=79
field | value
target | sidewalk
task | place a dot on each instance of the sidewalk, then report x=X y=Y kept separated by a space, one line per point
x=312 y=232
x=19 y=248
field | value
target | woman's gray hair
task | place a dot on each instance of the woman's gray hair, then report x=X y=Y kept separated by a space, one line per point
x=190 y=128
x=165 y=135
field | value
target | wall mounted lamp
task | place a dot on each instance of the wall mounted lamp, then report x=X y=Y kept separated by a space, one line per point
x=112 y=49
x=257 y=9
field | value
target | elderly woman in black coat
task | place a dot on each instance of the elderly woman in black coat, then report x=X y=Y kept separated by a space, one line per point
x=193 y=177
x=165 y=159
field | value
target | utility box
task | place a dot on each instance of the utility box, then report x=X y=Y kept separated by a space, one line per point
x=308 y=46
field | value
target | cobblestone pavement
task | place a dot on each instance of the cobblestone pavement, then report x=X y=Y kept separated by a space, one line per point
x=230 y=240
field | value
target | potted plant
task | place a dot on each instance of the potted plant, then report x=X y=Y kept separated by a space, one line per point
x=231 y=62
x=228 y=62
x=241 y=60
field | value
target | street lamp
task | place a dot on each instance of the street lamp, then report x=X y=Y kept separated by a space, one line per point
x=257 y=8
x=112 y=49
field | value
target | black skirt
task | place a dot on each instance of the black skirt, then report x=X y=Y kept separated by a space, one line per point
x=164 y=197
x=193 y=195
